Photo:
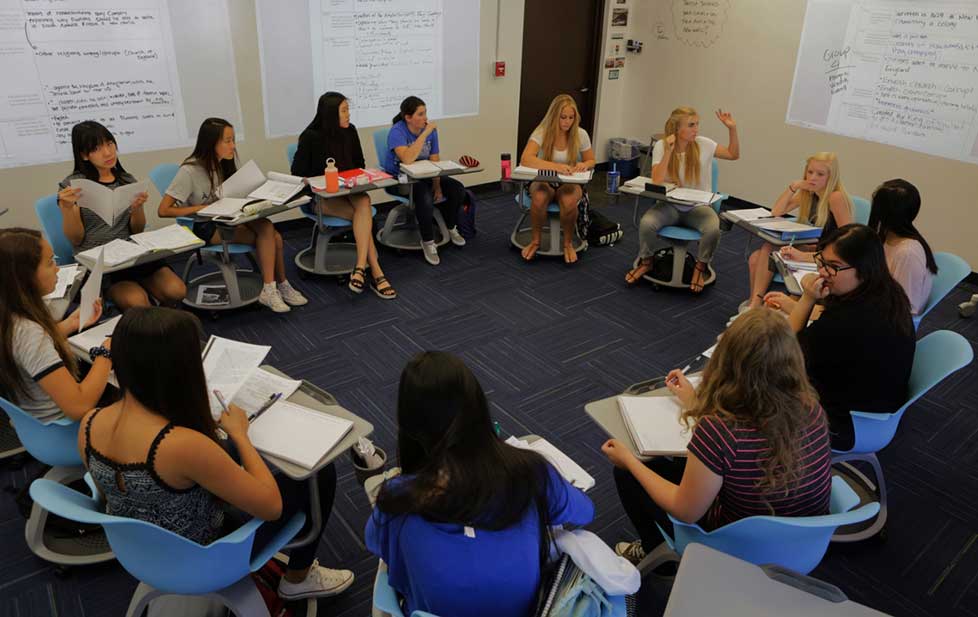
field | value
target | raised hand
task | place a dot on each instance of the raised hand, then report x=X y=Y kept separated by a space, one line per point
x=726 y=118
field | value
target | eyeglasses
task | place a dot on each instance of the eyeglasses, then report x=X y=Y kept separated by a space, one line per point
x=832 y=269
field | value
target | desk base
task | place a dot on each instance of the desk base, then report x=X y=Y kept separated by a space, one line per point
x=243 y=289
x=340 y=259
x=400 y=230
x=551 y=244
x=678 y=266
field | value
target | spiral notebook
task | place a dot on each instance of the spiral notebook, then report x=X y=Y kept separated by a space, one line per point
x=297 y=434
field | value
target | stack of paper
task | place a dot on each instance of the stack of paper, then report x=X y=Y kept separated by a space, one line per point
x=694 y=196
x=750 y=214
x=259 y=387
x=107 y=203
x=226 y=207
x=420 y=169
x=525 y=173
x=66 y=276
x=91 y=290
x=653 y=423
x=790 y=229
x=571 y=471
x=807 y=266
x=578 y=177
x=297 y=434
x=227 y=366
x=172 y=238
x=115 y=252
x=448 y=165
x=94 y=336
x=249 y=182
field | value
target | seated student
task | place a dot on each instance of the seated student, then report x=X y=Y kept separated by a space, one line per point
x=820 y=199
x=412 y=138
x=759 y=445
x=155 y=455
x=559 y=144
x=908 y=256
x=97 y=159
x=38 y=372
x=197 y=185
x=330 y=135
x=860 y=351
x=466 y=529
x=682 y=143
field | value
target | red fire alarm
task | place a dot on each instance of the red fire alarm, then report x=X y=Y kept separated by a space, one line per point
x=500 y=69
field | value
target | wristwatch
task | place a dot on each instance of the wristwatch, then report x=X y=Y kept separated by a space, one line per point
x=95 y=352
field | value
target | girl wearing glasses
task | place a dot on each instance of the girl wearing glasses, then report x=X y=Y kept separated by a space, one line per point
x=860 y=351
x=820 y=199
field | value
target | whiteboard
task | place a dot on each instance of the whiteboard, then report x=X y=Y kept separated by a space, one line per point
x=893 y=72
x=376 y=52
x=149 y=70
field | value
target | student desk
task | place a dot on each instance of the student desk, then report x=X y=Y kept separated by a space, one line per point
x=659 y=197
x=713 y=583
x=790 y=282
x=342 y=255
x=400 y=232
x=243 y=286
x=766 y=236
x=145 y=258
x=59 y=306
x=607 y=414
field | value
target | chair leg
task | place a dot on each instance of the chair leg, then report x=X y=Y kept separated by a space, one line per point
x=556 y=229
x=879 y=488
x=678 y=262
x=321 y=243
x=662 y=554
x=141 y=598
x=243 y=599
x=442 y=227
x=187 y=268
x=514 y=237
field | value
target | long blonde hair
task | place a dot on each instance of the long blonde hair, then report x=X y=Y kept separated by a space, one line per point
x=756 y=377
x=834 y=183
x=550 y=127
x=691 y=177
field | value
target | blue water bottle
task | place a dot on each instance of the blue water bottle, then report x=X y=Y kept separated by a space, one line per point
x=613 y=177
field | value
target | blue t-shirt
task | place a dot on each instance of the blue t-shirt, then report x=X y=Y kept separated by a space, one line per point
x=437 y=568
x=400 y=135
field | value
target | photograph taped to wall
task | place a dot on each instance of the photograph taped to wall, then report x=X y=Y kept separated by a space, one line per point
x=892 y=73
x=121 y=63
x=374 y=54
x=619 y=17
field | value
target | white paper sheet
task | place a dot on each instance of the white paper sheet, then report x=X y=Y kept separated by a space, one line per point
x=227 y=207
x=227 y=366
x=115 y=252
x=579 y=177
x=653 y=423
x=94 y=336
x=259 y=387
x=750 y=214
x=171 y=237
x=570 y=470
x=107 y=203
x=90 y=292
x=243 y=181
x=448 y=165
x=694 y=195
x=297 y=434
x=420 y=169
x=66 y=276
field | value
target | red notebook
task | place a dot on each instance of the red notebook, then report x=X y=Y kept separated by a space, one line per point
x=372 y=175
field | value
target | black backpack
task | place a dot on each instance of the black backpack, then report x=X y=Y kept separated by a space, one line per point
x=602 y=231
x=662 y=266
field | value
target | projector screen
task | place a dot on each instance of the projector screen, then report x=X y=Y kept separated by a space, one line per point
x=894 y=72
x=376 y=52
x=149 y=70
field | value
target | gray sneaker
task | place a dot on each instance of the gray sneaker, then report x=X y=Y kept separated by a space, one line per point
x=430 y=250
x=632 y=551
x=273 y=300
x=456 y=237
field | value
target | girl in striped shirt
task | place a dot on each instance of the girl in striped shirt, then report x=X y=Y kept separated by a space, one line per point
x=760 y=442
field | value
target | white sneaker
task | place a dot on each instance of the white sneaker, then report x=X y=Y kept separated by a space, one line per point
x=271 y=298
x=430 y=250
x=319 y=583
x=456 y=237
x=632 y=551
x=291 y=295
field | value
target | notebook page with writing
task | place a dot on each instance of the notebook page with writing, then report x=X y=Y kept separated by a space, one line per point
x=66 y=276
x=171 y=237
x=227 y=365
x=297 y=434
x=420 y=169
x=259 y=387
x=94 y=336
x=653 y=423
x=243 y=181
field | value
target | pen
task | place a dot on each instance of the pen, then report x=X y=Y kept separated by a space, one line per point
x=684 y=371
x=271 y=401
x=220 y=399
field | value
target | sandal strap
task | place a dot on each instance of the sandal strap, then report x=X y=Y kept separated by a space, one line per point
x=380 y=279
x=359 y=270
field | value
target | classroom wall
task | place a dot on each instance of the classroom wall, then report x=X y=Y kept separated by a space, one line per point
x=747 y=68
x=484 y=136
x=609 y=121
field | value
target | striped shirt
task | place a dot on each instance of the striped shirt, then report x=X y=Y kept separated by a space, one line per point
x=97 y=232
x=736 y=451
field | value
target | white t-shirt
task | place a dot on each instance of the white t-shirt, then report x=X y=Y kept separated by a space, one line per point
x=708 y=148
x=560 y=156
x=36 y=357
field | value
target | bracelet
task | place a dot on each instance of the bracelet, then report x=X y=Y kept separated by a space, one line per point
x=99 y=351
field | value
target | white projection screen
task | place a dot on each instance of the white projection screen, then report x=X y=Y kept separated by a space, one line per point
x=898 y=73
x=150 y=70
x=376 y=52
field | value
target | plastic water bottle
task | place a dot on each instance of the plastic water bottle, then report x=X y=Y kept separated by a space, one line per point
x=613 y=177
x=332 y=176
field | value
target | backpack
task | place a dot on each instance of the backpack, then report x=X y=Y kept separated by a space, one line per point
x=466 y=216
x=602 y=231
x=662 y=266
x=266 y=581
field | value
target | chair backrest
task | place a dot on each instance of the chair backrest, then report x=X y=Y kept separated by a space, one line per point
x=161 y=558
x=49 y=214
x=951 y=270
x=798 y=543
x=860 y=210
x=714 y=182
x=163 y=175
x=937 y=355
x=290 y=152
x=54 y=444
x=380 y=145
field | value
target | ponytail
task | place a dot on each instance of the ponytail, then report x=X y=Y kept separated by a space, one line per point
x=408 y=107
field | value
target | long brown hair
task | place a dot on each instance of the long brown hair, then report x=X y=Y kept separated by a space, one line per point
x=20 y=257
x=205 y=156
x=756 y=377
x=550 y=127
x=691 y=177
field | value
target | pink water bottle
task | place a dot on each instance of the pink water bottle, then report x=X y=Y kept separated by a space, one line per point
x=506 y=165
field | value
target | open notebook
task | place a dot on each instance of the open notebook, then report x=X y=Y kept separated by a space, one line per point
x=653 y=423
x=571 y=471
x=297 y=434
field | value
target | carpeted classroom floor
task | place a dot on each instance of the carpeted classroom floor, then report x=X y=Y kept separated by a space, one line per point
x=544 y=339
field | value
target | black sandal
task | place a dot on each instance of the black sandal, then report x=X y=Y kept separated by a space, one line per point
x=387 y=293
x=357 y=284
x=702 y=269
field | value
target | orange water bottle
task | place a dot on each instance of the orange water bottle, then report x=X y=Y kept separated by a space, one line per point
x=332 y=176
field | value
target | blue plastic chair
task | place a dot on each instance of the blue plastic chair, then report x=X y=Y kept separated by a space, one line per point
x=290 y=151
x=860 y=210
x=951 y=270
x=797 y=543
x=54 y=444
x=937 y=355
x=166 y=563
x=49 y=214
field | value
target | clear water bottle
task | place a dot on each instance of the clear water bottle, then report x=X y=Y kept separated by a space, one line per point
x=613 y=177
